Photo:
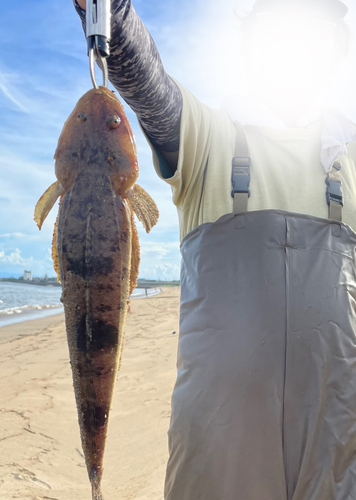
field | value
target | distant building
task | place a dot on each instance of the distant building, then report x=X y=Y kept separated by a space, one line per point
x=27 y=276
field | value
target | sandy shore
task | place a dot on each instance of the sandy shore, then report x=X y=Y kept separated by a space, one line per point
x=41 y=457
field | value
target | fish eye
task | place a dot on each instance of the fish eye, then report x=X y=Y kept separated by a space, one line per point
x=82 y=117
x=113 y=121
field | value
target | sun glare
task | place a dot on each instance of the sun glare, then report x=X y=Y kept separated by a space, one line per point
x=288 y=57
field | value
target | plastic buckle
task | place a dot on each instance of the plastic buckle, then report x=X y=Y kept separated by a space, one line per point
x=334 y=192
x=241 y=175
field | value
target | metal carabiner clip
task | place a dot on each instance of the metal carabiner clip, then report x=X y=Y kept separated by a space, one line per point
x=98 y=32
x=93 y=58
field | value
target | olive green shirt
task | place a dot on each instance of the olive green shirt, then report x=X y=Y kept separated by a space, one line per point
x=286 y=173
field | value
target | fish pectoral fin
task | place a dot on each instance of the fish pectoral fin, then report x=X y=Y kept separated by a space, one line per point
x=144 y=207
x=46 y=202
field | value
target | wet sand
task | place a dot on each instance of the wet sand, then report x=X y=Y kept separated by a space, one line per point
x=41 y=456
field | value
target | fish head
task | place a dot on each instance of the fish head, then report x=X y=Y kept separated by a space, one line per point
x=97 y=137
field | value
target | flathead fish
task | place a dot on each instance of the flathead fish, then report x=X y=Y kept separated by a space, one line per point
x=96 y=254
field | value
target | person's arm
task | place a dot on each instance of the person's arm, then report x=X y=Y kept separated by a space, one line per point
x=137 y=72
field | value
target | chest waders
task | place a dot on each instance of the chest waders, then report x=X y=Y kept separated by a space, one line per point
x=264 y=406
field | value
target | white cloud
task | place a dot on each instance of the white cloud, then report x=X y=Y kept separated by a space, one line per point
x=160 y=260
x=7 y=88
x=164 y=272
x=13 y=235
x=159 y=249
x=15 y=258
x=15 y=261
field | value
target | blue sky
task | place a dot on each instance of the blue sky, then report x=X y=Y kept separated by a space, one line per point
x=44 y=71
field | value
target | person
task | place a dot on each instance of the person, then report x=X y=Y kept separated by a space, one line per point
x=264 y=407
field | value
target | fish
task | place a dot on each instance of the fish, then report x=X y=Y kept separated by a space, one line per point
x=96 y=254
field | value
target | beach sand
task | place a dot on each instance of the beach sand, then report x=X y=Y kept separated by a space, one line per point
x=41 y=456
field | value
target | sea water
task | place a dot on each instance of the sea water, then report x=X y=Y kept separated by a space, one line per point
x=16 y=298
x=22 y=302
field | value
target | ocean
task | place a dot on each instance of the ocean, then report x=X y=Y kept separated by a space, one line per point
x=21 y=302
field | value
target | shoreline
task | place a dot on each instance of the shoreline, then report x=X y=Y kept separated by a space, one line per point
x=36 y=314
x=29 y=315
x=28 y=282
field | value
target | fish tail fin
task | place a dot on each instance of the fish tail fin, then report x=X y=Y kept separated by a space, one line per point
x=97 y=495
x=95 y=479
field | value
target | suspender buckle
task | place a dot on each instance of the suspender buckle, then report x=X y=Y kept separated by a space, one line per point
x=334 y=192
x=241 y=176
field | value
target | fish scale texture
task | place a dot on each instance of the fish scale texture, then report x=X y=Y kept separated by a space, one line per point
x=94 y=252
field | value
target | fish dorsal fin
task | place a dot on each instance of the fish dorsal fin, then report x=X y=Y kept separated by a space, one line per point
x=144 y=207
x=46 y=202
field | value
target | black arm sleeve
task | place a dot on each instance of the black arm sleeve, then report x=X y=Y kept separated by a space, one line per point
x=136 y=71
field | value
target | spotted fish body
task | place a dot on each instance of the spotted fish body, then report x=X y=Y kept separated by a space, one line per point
x=96 y=254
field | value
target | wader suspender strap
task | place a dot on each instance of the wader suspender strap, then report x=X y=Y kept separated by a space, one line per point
x=240 y=171
x=241 y=177
x=334 y=196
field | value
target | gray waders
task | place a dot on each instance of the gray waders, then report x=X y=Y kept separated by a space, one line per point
x=264 y=406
